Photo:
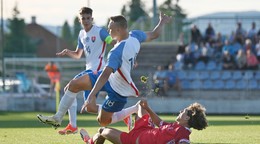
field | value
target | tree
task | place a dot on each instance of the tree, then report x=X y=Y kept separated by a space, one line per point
x=66 y=33
x=124 y=11
x=136 y=15
x=17 y=41
x=76 y=29
x=178 y=16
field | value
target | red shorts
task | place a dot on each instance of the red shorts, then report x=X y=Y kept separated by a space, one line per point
x=140 y=126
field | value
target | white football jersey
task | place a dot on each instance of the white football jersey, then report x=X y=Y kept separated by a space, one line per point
x=122 y=59
x=94 y=45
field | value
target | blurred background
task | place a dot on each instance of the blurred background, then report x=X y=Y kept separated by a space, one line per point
x=208 y=53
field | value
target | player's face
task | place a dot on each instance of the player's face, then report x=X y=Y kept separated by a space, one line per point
x=112 y=29
x=86 y=20
x=183 y=116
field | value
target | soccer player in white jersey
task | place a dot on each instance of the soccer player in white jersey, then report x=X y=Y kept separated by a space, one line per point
x=115 y=78
x=92 y=40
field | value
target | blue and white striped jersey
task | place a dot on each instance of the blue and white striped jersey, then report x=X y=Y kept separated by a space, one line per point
x=121 y=59
x=94 y=45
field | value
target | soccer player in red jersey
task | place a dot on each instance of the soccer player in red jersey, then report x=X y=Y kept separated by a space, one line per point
x=145 y=132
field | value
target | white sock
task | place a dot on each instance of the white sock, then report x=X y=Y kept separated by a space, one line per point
x=119 y=116
x=65 y=103
x=99 y=108
x=73 y=114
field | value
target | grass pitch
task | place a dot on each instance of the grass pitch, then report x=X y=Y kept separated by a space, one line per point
x=24 y=128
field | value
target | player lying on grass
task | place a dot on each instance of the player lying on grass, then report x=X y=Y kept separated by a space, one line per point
x=145 y=132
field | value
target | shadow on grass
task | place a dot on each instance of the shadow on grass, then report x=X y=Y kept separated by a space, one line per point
x=37 y=124
x=29 y=120
x=93 y=123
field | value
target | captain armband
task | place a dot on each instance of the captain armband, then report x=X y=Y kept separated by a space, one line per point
x=108 y=39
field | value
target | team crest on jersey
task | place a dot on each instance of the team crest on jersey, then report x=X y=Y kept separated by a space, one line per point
x=93 y=39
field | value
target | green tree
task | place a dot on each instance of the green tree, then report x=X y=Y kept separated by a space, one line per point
x=76 y=29
x=175 y=27
x=17 y=41
x=136 y=15
x=66 y=33
x=136 y=10
x=124 y=11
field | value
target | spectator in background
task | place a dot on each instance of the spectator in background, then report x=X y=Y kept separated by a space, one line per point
x=189 y=58
x=257 y=49
x=209 y=34
x=248 y=45
x=232 y=37
x=160 y=80
x=53 y=74
x=241 y=60
x=240 y=33
x=228 y=62
x=196 y=36
x=173 y=80
x=204 y=52
x=252 y=62
x=181 y=43
x=258 y=34
x=227 y=47
x=178 y=65
x=252 y=33
x=219 y=42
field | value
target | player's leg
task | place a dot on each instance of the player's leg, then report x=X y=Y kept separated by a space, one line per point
x=141 y=112
x=72 y=112
x=71 y=128
x=111 y=134
x=74 y=86
x=97 y=138
x=125 y=115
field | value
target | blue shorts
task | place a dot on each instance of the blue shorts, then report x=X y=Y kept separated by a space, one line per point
x=86 y=92
x=114 y=102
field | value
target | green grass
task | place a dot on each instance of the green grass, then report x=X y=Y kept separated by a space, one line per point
x=24 y=128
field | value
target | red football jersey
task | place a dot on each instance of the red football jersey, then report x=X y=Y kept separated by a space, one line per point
x=167 y=133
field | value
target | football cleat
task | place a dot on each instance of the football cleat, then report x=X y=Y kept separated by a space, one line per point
x=128 y=121
x=68 y=130
x=50 y=120
x=85 y=136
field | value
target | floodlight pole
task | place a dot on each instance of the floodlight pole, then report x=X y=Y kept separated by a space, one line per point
x=2 y=45
x=154 y=12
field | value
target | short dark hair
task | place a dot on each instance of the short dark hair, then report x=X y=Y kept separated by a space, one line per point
x=85 y=10
x=119 y=20
x=197 y=115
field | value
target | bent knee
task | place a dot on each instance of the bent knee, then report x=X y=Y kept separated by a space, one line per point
x=91 y=108
x=74 y=86
x=104 y=121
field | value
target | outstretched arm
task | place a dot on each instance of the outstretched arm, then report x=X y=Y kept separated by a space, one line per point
x=155 y=118
x=73 y=54
x=163 y=19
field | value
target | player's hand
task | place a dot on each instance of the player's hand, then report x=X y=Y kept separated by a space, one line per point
x=164 y=18
x=144 y=104
x=84 y=106
x=62 y=53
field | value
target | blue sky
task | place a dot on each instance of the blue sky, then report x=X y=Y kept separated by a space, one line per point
x=55 y=12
